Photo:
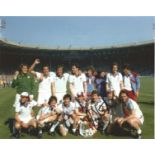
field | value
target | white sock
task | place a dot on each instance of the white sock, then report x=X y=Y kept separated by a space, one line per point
x=54 y=126
x=74 y=130
x=139 y=131
x=40 y=131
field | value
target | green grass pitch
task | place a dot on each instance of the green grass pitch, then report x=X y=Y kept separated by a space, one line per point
x=146 y=101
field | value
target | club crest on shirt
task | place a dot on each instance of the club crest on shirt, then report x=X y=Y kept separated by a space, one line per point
x=28 y=77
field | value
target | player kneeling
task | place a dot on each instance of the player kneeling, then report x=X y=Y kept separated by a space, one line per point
x=24 y=116
x=81 y=106
x=115 y=110
x=86 y=128
x=47 y=115
x=67 y=118
x=133 y=115
x=98 y=112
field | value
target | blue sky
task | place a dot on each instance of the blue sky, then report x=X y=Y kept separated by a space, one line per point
x=78 y=31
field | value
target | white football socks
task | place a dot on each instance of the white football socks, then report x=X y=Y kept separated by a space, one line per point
x=52 y=129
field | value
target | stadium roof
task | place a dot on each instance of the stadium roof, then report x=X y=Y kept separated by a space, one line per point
x=6 y=43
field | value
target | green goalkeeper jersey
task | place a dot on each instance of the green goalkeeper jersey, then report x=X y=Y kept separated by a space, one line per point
x=24 y=83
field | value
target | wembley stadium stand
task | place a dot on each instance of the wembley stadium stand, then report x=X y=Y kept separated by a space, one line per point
x=139 y=55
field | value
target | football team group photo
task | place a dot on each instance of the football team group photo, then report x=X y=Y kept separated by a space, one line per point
x=84 y=90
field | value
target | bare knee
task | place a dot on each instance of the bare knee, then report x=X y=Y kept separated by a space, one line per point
x=17 y=125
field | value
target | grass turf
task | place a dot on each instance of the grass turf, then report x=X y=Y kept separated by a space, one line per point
x=146 y=101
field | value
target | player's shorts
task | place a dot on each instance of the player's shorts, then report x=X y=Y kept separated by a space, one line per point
x=60 y=96
x=43 y=98
x=26 y=119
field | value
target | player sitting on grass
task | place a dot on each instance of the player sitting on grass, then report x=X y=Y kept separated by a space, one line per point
x=24 y=115
x=98 y=112
x=133 y=115
x=68 y=118
x=47 y=114
x=81 y=106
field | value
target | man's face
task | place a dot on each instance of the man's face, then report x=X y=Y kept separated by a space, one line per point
x=102 y=74
x=124 y=97
x=90 y=73
x=114 y=68
x=66 y=101
x=59 y=71
x=24 y=69
x=74 y=69
x=53 y=104
x=110 y=95
x=126 y=71
x=45 y=71
x=80 y=99
x=95 y=97
x=24 y=99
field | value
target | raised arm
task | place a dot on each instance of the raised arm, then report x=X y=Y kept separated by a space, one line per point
x=31 y=69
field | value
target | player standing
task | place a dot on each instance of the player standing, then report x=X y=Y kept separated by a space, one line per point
x=131 y=82
x=114 y=80
x=23 y=81
x=100 y=83
x=90 y=80
x=77 y=82
x=45 y=83
x=60 y=82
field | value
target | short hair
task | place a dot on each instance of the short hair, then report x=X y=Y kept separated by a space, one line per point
x=76 y=65
x=95 y=92
x=67 y=96
x=127 y=66
x=21 y=66
x=114 y=64
x=45 y=66
x=52 y=98
x=60 y=66
x=123 y=91
x=91 y=68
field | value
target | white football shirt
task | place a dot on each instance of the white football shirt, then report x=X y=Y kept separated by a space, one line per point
x=61 y=83
x=114 y=81
x=132 y=105
x=24 y=111
x=77 y=82
x=127 y=83
x=45 y=83
x=67 y=110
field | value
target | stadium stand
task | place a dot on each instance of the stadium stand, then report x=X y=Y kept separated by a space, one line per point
x=139 y=55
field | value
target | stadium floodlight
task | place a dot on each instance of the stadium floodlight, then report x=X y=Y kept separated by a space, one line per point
x=70 y=46
x=153 y=30
x=2 y=26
